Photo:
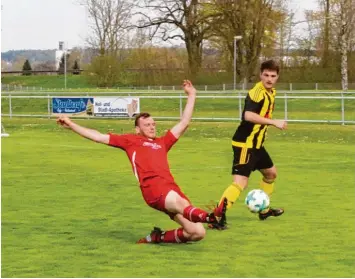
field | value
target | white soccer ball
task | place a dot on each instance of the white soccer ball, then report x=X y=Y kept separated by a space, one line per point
x=257 y=200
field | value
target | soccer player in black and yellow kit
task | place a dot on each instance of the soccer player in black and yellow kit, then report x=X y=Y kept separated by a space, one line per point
x=248 y=140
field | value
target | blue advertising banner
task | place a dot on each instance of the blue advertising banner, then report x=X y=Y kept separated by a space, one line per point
x=75 y=106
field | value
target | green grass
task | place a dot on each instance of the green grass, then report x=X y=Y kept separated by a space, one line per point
x=45 y=81
x=72 y=208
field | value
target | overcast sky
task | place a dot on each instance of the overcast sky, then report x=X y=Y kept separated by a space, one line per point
x=41 y=24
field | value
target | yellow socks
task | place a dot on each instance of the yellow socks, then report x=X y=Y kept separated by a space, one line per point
x=233 y=191
x=232 y=194
x=267 y=186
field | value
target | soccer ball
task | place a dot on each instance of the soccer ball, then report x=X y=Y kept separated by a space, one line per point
x=257 y=200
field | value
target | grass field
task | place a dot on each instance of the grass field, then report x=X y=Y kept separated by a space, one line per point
x=72 y=208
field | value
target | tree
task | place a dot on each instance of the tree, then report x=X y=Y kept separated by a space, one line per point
x=186 y=20
x=326 y=37
x=347 y=18
x=338 y=34
x=308 y=43
x=76 y=68
x=44 y=66
x=284 y=35
x=63 y=64
x=105 y=71
x=26 y=69
x=250 y=19
x=108 y=21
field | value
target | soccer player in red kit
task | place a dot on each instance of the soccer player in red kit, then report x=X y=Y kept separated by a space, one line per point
x=148 y=156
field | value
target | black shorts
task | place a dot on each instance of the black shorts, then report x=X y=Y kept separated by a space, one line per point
x=247 y=160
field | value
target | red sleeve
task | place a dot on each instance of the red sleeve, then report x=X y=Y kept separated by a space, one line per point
x=169 y=140
x=120 y=141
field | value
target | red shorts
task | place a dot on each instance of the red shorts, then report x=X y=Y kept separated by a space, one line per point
x=155 y=191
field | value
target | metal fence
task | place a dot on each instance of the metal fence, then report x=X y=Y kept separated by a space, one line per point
x=216 y=87
x=313 y=107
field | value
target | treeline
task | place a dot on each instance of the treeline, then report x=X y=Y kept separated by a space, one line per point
x=216 y=38
x=241 y=32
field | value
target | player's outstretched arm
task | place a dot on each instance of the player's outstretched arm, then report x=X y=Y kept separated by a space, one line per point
x=82 y=131
x=181 y=127
x=257 y=119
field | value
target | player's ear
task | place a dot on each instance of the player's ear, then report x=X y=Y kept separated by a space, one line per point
x=138 y=130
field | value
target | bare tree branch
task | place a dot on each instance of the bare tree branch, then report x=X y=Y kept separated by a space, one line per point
x=178 y=19
x=109 y=19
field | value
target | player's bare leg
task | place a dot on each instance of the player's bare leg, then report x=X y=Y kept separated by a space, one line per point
x=188 y=231
x=192 y=231
x=267 y=185
x=176 y=204
x=190 y=218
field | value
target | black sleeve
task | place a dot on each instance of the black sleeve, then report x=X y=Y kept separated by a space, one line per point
x=252 y=106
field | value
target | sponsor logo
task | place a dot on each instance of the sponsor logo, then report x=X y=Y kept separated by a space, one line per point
x=153 y=145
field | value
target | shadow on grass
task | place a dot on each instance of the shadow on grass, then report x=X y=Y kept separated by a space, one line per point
x=125 y=235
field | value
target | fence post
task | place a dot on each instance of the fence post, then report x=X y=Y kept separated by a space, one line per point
x=317 y=86
x=224 y=87
x=160 y=87
x=173 y=87
x=290 y=86
x=342 y=109
x=180 y=105
x=87 y=95
x=49 y=107
x=10 y=106
x=205 y=87
x=285 y=105
x=240 y=105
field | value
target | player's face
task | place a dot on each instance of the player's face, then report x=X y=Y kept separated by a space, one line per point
x=146 y=127
x=269 y=78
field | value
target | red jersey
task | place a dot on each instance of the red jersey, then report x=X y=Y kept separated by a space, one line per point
x=149 y=157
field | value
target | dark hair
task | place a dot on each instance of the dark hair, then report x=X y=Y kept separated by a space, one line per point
x=270 y=65
x=143 y=115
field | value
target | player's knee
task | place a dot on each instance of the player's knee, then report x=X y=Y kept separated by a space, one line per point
x=273 y=175
x=198 y=232
x=270 y=175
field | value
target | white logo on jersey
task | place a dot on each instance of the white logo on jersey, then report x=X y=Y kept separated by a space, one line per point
x=152 y=145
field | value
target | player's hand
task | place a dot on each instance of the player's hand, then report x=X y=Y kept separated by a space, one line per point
x=64 y=121
x=189 y=88
x=280 y=124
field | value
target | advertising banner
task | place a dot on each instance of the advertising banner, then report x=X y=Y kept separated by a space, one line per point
x=116 y=107
x=75 y=106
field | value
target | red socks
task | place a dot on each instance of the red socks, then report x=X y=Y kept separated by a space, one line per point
x=195 y=214
x=174 y=236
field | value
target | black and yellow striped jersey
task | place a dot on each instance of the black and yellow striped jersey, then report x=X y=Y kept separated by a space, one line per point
x=259 y=101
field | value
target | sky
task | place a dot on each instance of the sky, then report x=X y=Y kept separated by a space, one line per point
x=41 y=24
